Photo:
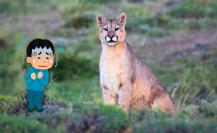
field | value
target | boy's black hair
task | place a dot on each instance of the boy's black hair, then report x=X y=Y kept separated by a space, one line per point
x=39 y=43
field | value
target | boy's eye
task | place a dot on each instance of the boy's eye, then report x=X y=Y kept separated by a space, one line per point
x=39 y=57
x=47 y=58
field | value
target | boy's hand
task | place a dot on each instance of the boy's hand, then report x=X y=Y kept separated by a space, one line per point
x=33 y=76
x=40 y=75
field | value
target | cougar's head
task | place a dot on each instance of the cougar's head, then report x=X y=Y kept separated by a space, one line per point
x=111 y=31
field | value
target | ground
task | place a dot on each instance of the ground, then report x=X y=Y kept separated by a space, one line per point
x=175 y=38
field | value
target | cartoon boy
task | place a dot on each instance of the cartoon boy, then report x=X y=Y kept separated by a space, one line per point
x=40 y=54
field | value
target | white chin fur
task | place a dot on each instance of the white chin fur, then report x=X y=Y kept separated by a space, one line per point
x=111 y=44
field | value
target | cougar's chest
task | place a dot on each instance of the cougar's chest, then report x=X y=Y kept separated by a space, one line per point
x=110 y=71
x=112 y=67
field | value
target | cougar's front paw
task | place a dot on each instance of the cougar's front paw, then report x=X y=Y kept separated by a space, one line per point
x=124 y=107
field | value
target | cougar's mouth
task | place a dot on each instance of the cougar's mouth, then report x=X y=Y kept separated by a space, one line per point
x=111 y=39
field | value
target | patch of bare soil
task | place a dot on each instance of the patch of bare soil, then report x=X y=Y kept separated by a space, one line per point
x=160 y=48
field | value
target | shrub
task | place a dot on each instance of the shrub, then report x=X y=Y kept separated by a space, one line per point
x=193 y=9
x=73 y=66
x=12 y=124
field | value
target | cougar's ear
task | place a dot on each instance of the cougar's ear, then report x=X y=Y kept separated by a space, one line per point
x=100 y=20
x=122 y=19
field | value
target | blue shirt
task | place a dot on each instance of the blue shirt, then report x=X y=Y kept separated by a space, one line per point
x=39 y=83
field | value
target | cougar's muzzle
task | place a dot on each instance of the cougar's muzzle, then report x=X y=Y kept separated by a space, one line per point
x=111 y=39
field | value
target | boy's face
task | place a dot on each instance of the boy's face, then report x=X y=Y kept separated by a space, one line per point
x=41 y=58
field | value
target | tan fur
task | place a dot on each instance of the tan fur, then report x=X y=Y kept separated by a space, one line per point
x=125 y=80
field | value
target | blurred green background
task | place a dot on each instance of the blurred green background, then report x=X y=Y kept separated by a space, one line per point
x=177 y=39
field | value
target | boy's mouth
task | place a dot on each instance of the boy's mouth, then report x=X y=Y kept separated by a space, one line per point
x=42 y=66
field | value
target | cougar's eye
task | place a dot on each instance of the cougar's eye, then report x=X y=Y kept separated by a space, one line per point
x=106 y=29
x=117 y=29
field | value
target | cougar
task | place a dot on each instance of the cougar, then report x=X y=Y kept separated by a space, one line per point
x=124 y=79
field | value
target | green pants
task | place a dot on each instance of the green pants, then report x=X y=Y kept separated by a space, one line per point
x=35 y=99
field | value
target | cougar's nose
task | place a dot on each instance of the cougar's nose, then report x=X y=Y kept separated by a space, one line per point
x=111 y=34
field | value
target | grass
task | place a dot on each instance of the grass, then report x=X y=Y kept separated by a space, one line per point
x=187 y=15
x=78 y=91
x=80 y=66
x=6 y=101
x=25 y=6
x=79 y=14
x=194 y=80
x=11 y=124
x=192 y=9
x=173 y=125
x=75 y=89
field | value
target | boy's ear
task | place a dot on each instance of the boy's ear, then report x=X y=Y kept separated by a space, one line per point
x=100 y=20
x=29 y=59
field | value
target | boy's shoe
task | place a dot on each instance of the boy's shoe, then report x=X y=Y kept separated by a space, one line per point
x=40 y=110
